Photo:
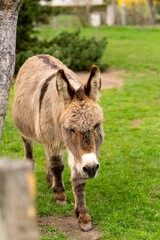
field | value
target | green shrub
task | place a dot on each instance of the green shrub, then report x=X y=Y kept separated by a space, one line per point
x=76 y=52
x=28 y=14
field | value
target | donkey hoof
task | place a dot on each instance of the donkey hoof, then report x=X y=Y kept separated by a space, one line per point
x=60 y=198
x=85 y=226
x=84 y=221
x=61 y=203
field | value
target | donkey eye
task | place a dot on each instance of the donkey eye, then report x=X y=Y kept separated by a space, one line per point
x=72 y=131
x=96 y=126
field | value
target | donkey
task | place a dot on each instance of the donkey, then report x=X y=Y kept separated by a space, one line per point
x=54 y=107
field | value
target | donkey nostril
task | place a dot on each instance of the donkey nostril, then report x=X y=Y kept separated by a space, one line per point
x=91 y=171
x=85 y=169
x=97 y=166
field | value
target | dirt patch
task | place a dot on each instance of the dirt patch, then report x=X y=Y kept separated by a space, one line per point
x=110 y=78
x=69 y=226
x=136 y=122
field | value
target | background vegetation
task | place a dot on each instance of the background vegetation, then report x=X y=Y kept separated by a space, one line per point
x=66 y=46
x=76 y=52
x=124 y=200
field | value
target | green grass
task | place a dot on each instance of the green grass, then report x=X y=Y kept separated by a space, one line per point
x=128 y=48
x=124 y=200
x=49 y=231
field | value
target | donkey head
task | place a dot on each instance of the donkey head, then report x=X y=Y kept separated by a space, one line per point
x=82 y=122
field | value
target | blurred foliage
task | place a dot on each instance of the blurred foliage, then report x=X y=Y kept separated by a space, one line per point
x=30 y=15
x=76 y=52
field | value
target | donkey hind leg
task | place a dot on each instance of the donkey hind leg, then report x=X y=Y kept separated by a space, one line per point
x=54 y=170
x=28 y=150
x=78 y=186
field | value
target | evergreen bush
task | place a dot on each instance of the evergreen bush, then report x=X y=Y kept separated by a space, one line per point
x=29 y=12
x=76 y=52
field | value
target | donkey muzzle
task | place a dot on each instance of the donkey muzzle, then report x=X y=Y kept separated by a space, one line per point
x=90 y=165
x=90 y=171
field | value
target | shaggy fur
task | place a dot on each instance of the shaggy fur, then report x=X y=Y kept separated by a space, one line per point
x=53 y=107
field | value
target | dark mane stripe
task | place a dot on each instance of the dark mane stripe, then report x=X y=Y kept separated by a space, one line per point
x=47 y=61
x=44 y=89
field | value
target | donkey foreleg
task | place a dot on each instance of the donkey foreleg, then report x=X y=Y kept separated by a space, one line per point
x=28 y=150
x=84 y=219
x=54 y=172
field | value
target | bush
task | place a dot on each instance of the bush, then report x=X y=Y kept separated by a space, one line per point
x=28 y=14
x=76 y=52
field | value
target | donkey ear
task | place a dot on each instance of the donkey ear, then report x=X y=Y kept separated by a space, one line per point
x=93 y=85
x=65 y=90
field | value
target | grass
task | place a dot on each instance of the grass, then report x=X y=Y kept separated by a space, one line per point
x=128 y=48
x=49 y=232
x=124 y=200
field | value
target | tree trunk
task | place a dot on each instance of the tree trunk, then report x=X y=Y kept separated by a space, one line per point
x=123 y=13
x=83 y=14
x=17 y=192
x=82 y=9
x=151 y=11
x=111 y=14
x=8 y=22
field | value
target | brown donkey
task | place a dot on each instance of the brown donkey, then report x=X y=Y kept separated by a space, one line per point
x=52 y=106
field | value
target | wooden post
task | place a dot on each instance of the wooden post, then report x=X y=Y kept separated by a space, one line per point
x=17 y=191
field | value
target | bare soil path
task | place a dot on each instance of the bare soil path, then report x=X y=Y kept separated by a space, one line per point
x=68 y=225
x=110 y=78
